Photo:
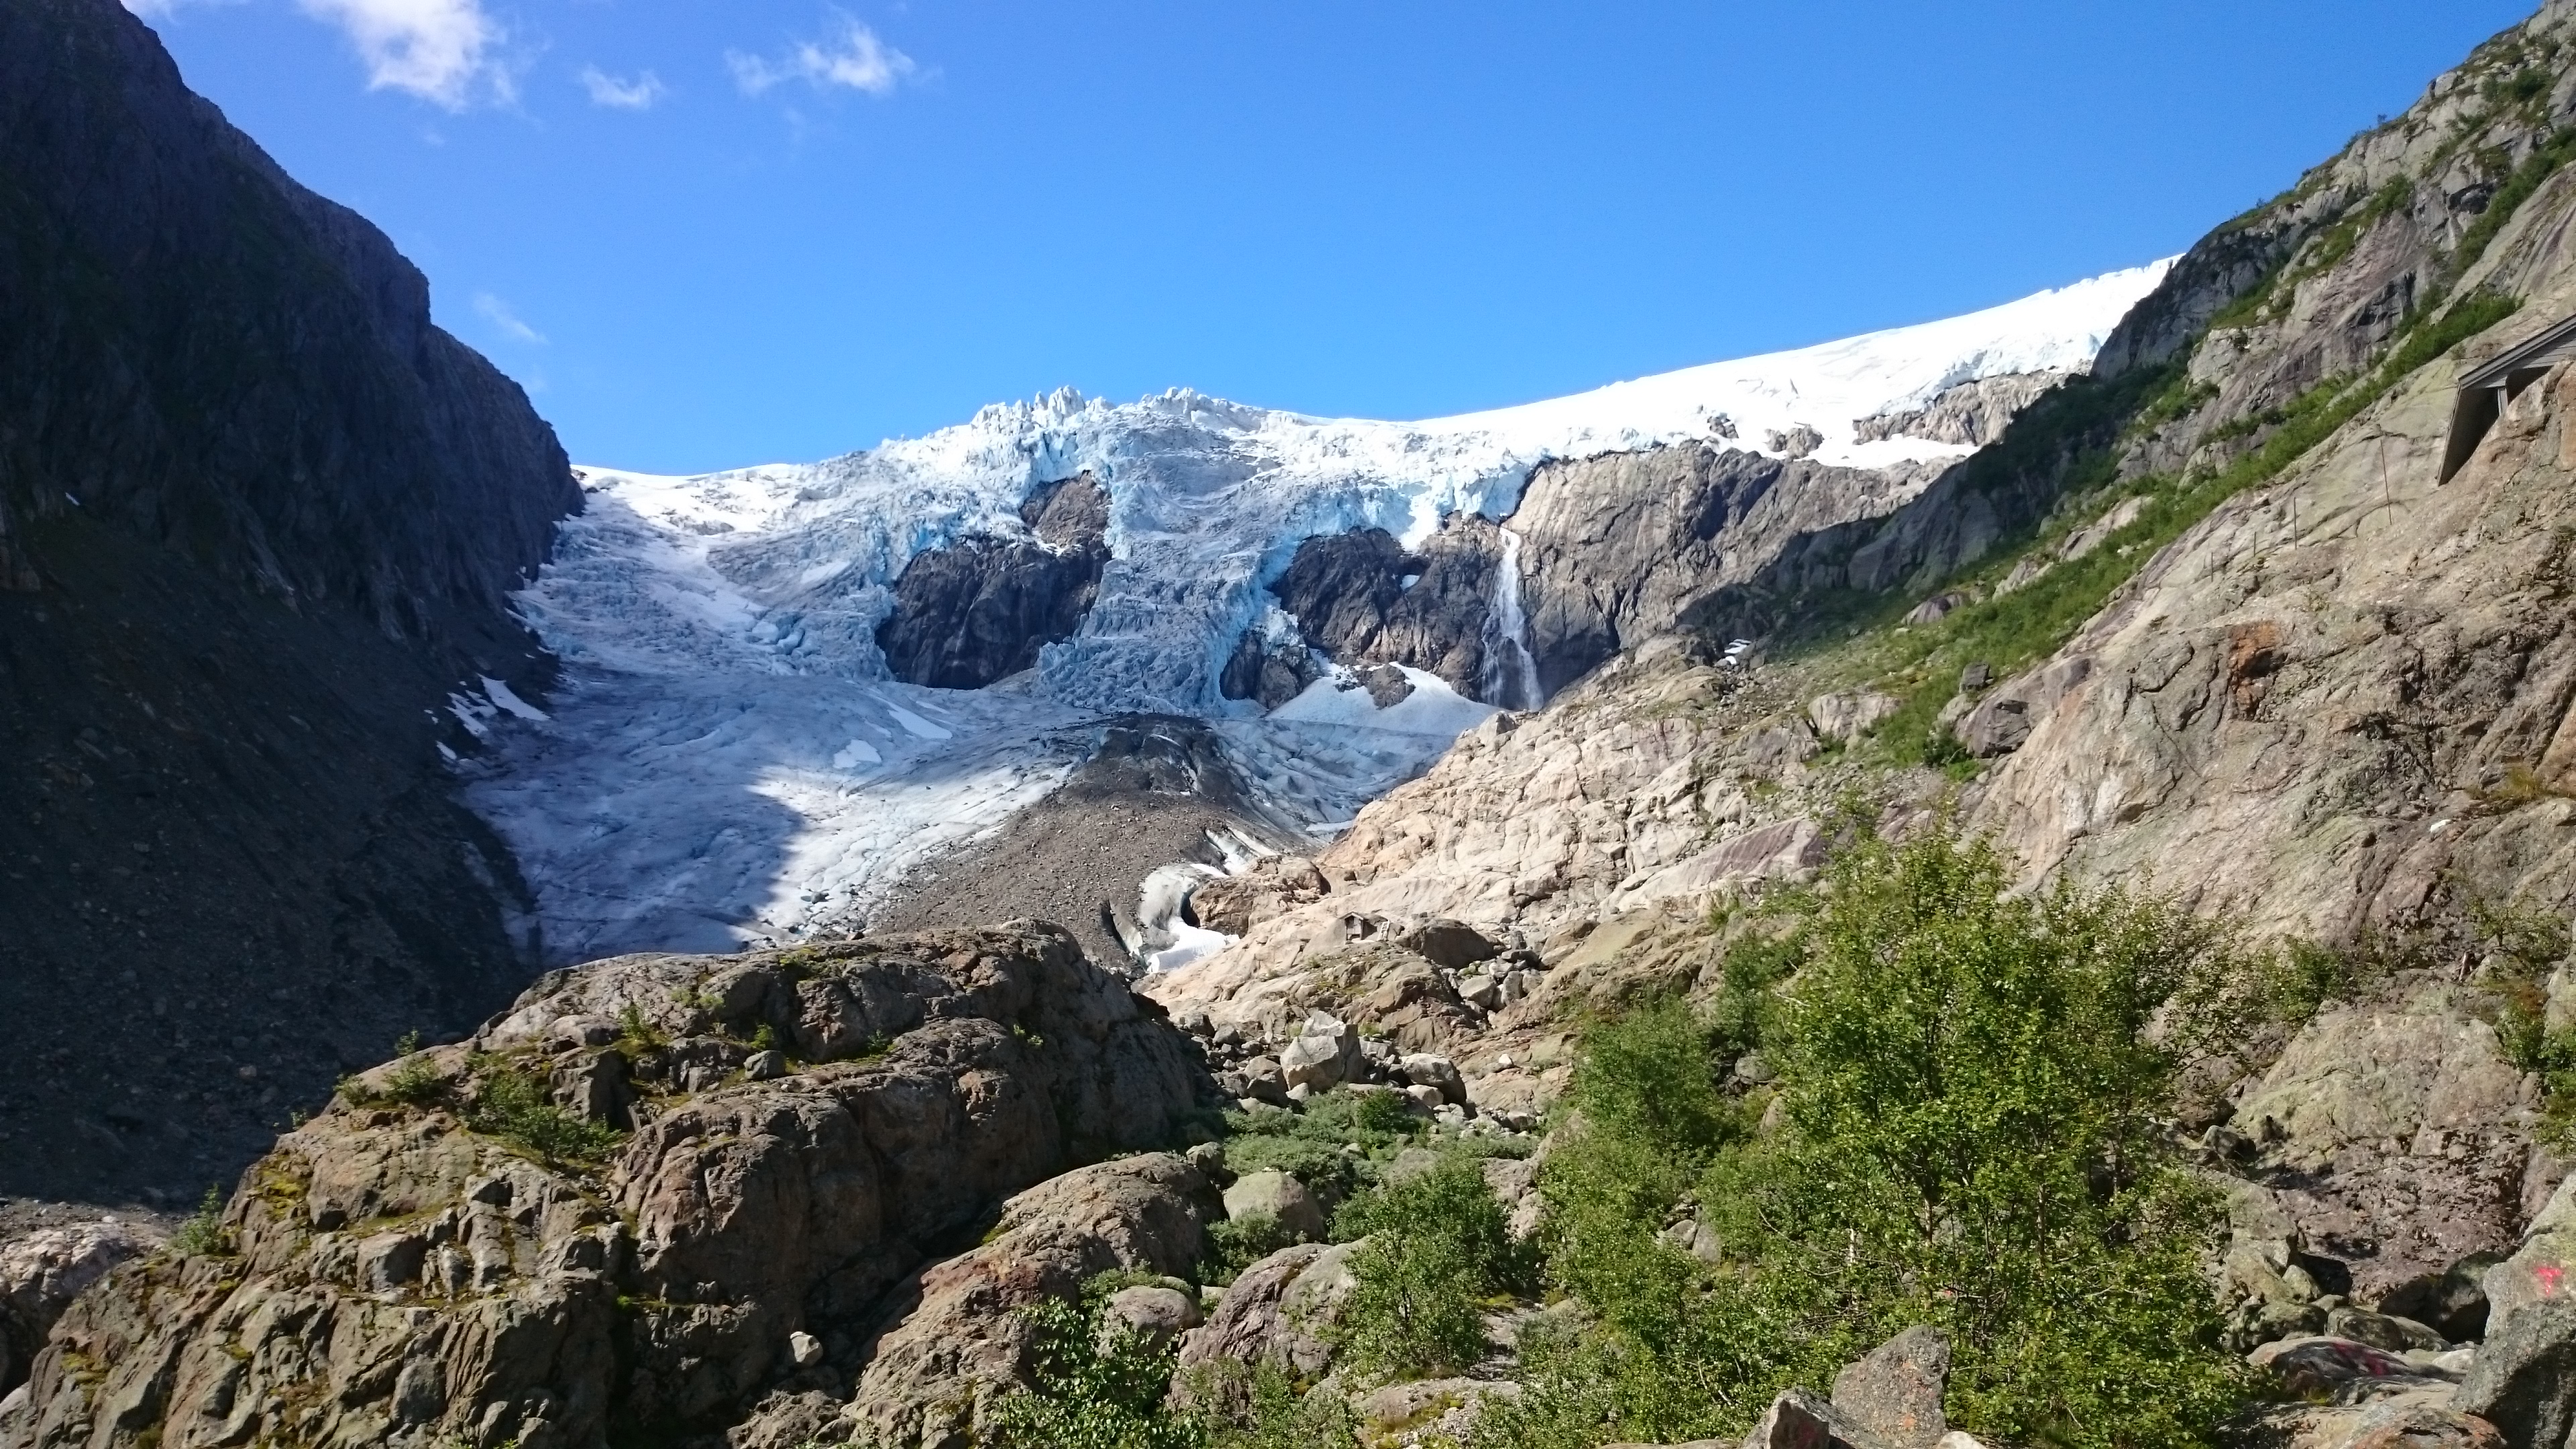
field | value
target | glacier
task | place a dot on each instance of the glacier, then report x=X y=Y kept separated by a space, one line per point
x=725 y=757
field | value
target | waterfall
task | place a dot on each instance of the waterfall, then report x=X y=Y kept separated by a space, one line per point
x=1510 y=676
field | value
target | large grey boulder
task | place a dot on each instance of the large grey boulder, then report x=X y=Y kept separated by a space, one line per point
x=1325 y=1054
x=961 y=1337
x=1279 y=1197
x=2524 y=1378
x=1279 y=1312
x=1799 y=1420
x=1151 y=1312
x=1894 y=1392
x=1428 y=1069
x=1444 y=942
x=42 y=1272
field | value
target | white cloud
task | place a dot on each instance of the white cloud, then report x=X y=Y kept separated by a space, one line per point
x=855 y=58
x=638 y=94
x=436 y=49
x=497 y=312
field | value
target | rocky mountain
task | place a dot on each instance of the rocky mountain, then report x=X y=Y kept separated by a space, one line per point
x=1405 y=775
x=258 y=519
x=940 y=632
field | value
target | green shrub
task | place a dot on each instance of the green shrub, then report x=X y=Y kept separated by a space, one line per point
x=1439 y=1248
x=1652 y=1073
x=515 y=1106
x=636 y=1035
x=1092 y=1390
x=414 y=1081
x=1279 y=1416
x=2524 y=945
x=202 y=1235
x=1312 y=1145
x=1238 y=1243
x=1969 y=1092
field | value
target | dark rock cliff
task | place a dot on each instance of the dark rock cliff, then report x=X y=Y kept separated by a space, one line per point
x=1364 y=599
x=257 y=517
x=979 y=609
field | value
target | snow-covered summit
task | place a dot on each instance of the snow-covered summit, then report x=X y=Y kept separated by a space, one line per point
x=787 y=568
x=728 y=755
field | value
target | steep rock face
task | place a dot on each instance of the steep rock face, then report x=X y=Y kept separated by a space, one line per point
x=1616 y=548
x=257 y=518
x=1364 y=599
x=2334 y=695
x=1974 y=413
x=1613 y=549
x=2309 y=287
x=396 y=1276
x=217 y=359
x=979 y=609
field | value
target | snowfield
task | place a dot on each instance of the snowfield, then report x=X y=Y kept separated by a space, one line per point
x=727 y=759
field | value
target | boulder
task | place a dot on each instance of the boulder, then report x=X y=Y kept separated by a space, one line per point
x=1325 y=1054
x=1849 y=716
x=1997 y=726
x=2451 y=1302
x=1262 y=1079
x=1894 y=1392
x=42 y=1272
x=1454 y=945
x=958 y=1337
x=1799 y=1420
x=1428 y=1411
x=2383 y=1330
x=1428 y=1069
x=1279 y=1312
x=2523 y=1380
x=2002 y=721
x=1272 y=886
x=2413 y=1417
x=1279 y=1197
x=1150 y=1312
x=1386 y=684
x=2314 y=1364
x=2542 y=1268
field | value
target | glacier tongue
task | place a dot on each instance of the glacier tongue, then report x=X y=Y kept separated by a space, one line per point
x=726 y=756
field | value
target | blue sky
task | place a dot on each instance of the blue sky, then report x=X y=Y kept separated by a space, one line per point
x=718 y=232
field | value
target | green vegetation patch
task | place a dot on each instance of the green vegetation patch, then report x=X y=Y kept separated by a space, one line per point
x=2011 y=631
x=1965 y=1136
x=1439 y=1251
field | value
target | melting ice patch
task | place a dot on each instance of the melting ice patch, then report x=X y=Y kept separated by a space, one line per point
x=726 y=756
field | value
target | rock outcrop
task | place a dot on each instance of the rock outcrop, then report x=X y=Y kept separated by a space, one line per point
x=1974 y=413
x=1619 y=548
x=464 y=1245
x=259 y=517
x=979 y=609
x=960 y=1337
x=41 y=1273
x=1365 y=599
